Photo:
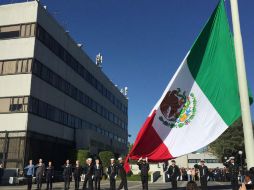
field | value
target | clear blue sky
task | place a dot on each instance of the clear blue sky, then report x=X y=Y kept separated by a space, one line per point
x=144 y=41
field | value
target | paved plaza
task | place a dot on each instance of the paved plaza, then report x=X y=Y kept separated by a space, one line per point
x=131 y=185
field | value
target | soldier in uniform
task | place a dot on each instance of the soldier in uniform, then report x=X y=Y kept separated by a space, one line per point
x=67 y=174
x=203 y=172
x=49 y=175
x=77 y=172
x=173 y=173
x=40 y=172
x=122 y=173
x=112 y=174
x=144 y=168
x=97 y=172
x=233 y=172
x=88 y=174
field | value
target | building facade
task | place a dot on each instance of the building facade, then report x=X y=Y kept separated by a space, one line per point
x=53 y=98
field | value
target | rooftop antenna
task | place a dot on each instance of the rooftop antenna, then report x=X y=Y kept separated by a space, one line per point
x=99 y=60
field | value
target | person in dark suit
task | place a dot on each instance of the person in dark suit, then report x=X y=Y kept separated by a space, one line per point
x=67 y=174
x=122 y=173
x=1 y=172
x=97 y=173
x=77 y=172
x=49 y=175
x=112 y=174
x=173 y=173
x=40 y=172
x=144 y=169
x=233 y=169
x=88 y=172
x=203 y=172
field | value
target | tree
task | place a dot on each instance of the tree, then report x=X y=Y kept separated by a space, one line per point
x=105 y=157
x=82 y=155
x=230 y=142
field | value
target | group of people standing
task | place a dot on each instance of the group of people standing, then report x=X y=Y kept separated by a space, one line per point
x=173 y=173
x=91 y=174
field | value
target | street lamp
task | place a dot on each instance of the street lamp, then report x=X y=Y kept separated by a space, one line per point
x=241 y=160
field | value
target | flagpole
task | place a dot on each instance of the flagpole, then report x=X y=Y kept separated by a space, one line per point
x=243 y=87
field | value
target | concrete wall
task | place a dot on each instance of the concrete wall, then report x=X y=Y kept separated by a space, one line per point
x=13 y=122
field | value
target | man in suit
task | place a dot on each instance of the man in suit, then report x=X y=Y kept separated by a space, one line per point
x=67 y=174
x=112 y=174
x=97 y=172
x=40 y=172
x=203 y=172
x=49 y=175
x=173 y=173
x=77 y=171
x=233 y=169
x=88 y=175
x=143 y=166
x=1 y=172
x=122 y=173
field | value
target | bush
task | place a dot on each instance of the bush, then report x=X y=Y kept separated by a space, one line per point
x=82 y=155
x=105 y=157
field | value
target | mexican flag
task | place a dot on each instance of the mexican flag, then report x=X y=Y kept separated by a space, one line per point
x=201 y=100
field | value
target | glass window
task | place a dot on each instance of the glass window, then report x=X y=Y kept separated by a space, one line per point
x=9 y=67
x=9 y=31
x=4 y=104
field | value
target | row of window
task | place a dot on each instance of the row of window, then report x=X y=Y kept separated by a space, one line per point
x=15 y=66
x=63 y=54
x=47 y=111
x=44 y=73
x=55 y=80
x=17 y=31
x=206 y=160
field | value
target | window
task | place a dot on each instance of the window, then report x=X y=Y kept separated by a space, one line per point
x=9 y=67
x=4 y=105
x=9 y=31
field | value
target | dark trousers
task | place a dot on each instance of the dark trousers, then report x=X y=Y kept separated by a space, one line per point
x=77 y=179
x=203 y=182
x=123 y=184
x=234 y=183
x=67 y=180
x=112 y=183
x=29 y=182
x=97 y=182
x=39 y=181
x=90 y=182
x=144 y=180
x=49 y=181
x=174 y=183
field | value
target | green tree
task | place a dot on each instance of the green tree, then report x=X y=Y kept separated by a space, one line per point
x=82 y=155
x=105 y=157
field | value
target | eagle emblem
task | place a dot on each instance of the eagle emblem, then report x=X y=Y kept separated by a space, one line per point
x=177 y=108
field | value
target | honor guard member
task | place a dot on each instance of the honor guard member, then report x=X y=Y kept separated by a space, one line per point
x=40 y=172
x=49 y=175
x=88 y=175
x=112 y=174
x=233 y=172
x=122 y=173
x=77 y=172
x=67 y=174
x=173 y=173
x=203 y=172
x=1 y=172
x=97 y=172
x=144 y=169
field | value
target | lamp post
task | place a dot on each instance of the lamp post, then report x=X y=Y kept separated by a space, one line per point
x=241 y=160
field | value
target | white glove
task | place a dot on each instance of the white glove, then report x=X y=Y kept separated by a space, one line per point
x=108 y=176
x=177 y=178
x=115 y=176
x=92 y=176
x=168 y=175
